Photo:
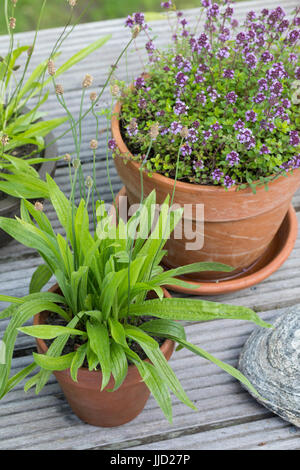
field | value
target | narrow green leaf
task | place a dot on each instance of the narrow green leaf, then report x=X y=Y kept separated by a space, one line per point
x=99 y=342
x=193 y=310
x=78 y=360
x=119 y=364
x=50 y=331
x=226 y=367
x=54 y=363
x=40 y=278
x=157 y=387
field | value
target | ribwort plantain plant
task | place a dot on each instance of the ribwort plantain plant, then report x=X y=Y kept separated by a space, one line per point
x=104 y=281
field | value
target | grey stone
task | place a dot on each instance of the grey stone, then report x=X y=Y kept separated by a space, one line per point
x=270 y=359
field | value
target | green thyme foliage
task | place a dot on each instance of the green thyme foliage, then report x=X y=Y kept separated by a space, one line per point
x=234 y=94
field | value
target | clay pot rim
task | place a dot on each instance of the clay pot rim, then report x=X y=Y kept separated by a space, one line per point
x=167 y=346
x=164 y=180
x=233 y=285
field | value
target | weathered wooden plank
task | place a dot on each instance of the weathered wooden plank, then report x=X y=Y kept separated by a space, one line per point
x=269 y=433
x=219 y=398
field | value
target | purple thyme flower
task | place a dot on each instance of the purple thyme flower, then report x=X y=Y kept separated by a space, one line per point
x=150 y=47
x=212 y=93
x=223 y=53
x=180 y=107
x=251 y=16
x=233 y=158
x=112 y=144
x=240 y=38
x=228 y=73
x=294 y=138
x=283 y=26
x=187 y=66
x=251 y=60
x=201 y=98
x=228 y=12
x=286 y=103
x=181 y=79
x=184 y=22
x=206 y=134
x=263 y=84
x=202 y=40
x=292 y=164
x=271 y=126
x=264 y=150
x=225 y=35
x=199 y=78
x=175 y=127
x=251 y=116
x=213 y=11
x=231 y=97
x=198 y=165
x=277 y=71
x=267 y=56
x=202 y=68
x=139 y=83
x=293 y=36
x=166 y=4
x=239 y=125
x=234 y=23
x=217 y=174
x=132 y=128
x=139 y=18
x=276 y=88
x=129 y=22
x=259 y=98
x=142 y=103
x=186 y=149
x=293 y=57
x=192 y=136
x=216 y=126
x=245 y=136
x=164 y=131
x=228 y=182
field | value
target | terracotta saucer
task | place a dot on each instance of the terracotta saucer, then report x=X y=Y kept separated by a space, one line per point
x=276 y=254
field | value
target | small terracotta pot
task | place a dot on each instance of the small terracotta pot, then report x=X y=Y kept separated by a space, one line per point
x=103 y=408
x=238 y=226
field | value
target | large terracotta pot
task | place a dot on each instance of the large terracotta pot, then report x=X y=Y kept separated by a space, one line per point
x=238 y=226
x=102 y=408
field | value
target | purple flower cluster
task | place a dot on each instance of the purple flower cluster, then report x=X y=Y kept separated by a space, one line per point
x=233 y=158
x=243 y=82
x=180 y=107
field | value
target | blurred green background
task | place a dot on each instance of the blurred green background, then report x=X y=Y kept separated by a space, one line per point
x=57 y=11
